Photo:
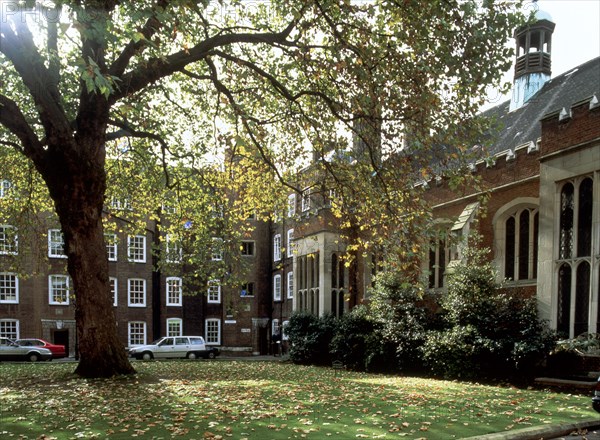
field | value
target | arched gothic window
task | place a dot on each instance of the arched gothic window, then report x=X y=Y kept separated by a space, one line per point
x=338 y=286
x=521 y=244
x=574 y=257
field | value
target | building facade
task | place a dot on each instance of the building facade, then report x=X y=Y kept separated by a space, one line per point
x=541 y=179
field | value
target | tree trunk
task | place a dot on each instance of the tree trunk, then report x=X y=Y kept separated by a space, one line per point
x=101 y=352
x=77 y=181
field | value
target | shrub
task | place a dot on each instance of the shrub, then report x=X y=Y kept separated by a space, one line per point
x=453 y=353
x=309 y=337
x=358 y=343
x=399 y=311
x=492 y=334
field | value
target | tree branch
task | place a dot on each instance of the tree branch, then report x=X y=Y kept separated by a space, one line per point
x=18 y=46
x=334 y=107
x=222 y=88
x=12 y=118
x=134 y=48
x=127 y=131
x=53 y=59
x=157 y=68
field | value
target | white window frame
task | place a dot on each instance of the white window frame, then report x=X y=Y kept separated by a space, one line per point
x=9 y=282
x=130 y=281
x=290 y=285
x=15 y=331
x=136 y=245
x=178 y=322
x=56 y=244
x=173 y=250
x=277 y=287
x=213 y=293
x=121 y=204
x=8 y=246
x=52 y=293
x=169 y=209
x=274 y=326
x=174 y=298
x=114 y=290
x=5 y=187
x=217 y=249
x=277 y=247
x=111 y=246
x=207 y=337
x=130 y=333
x=306 y=200
x=290 y=239
x=291 y=207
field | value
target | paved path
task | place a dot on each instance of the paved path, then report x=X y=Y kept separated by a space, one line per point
x=591 y=435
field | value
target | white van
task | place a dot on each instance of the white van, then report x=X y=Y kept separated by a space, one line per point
x=190 y=347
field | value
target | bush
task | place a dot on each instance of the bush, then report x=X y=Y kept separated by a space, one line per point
x=358 y=343
x=453 y=353
x=350 y=343
x=491 y=334
x=309 y=337
x=402 y=317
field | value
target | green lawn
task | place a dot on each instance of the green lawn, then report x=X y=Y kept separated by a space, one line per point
x=264 y=400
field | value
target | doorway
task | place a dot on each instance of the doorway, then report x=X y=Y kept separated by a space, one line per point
x=61 y=337
x=263 y=341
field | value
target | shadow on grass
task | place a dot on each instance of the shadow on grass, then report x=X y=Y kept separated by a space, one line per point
x=258 y=400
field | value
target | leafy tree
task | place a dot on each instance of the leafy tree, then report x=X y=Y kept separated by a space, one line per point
x=192 y=79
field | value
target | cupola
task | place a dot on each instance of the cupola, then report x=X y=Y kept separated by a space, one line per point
x=533 y=63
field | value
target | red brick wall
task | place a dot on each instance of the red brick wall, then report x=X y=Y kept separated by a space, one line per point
x=584 y=126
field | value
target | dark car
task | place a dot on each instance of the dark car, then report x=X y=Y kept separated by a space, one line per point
x=11 y=351
x=58 y=351
x=211 y=352
x=596 y=398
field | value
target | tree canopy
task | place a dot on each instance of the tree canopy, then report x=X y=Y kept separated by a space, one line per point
x=184 y=85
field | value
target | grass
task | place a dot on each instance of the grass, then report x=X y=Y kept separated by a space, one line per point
x=264 y=400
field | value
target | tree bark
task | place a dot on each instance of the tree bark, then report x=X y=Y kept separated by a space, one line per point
x=77 y=184
x=101 y=352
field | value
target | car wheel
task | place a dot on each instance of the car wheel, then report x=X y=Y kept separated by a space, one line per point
x=211 y=355
x=147 y=356
x=192 y=356
x=33 y=357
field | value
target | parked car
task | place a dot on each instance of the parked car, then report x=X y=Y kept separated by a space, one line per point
x=190 y=347
x=596 y=397
x=58 y=351
x=11 y=351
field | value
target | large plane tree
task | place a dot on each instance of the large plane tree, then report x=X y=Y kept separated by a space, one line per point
x=189 y=80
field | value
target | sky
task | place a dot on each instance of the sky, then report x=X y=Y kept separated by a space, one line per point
x=576 y=38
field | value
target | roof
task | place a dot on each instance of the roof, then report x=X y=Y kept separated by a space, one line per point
x=522 y=125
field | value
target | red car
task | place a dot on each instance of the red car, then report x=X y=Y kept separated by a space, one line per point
x=58 y=351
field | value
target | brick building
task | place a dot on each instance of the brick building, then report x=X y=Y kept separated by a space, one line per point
x=542 y=223
x=542 y=178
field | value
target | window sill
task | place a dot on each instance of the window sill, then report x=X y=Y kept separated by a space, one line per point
x=520 y=283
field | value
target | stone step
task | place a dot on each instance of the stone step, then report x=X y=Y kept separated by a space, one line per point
x=567 y=383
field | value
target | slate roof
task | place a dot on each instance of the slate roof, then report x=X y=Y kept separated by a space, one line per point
x=523 y=125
